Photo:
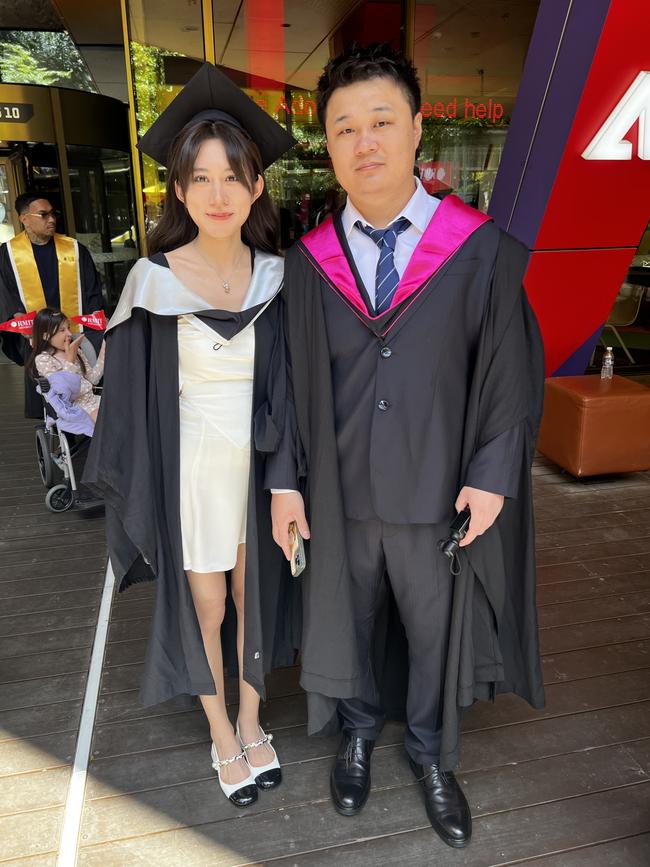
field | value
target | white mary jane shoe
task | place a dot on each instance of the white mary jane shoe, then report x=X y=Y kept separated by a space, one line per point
x=241 y=794
x=266 y=776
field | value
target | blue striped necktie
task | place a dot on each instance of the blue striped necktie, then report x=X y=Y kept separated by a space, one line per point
x=386 y=277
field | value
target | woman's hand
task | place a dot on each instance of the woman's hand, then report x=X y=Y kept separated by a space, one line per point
x=72 y=349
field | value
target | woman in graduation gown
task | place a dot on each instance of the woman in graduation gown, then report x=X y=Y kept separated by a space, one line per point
x=192 y=402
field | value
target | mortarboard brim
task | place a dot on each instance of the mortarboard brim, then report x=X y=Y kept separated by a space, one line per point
x=210 y=94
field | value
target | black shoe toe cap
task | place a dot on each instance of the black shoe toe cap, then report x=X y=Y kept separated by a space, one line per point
x=269 y=779
x=244 y=797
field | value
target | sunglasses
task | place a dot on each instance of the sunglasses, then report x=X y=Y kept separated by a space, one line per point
x=44 y=215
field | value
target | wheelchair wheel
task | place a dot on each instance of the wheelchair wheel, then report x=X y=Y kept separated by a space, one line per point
x=59 y=498
x=44 y=457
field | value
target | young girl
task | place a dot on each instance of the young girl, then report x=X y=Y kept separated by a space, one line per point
x=55 y=348
x=196 y=352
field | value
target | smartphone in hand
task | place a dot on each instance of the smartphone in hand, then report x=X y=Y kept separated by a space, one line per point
x=298 y=558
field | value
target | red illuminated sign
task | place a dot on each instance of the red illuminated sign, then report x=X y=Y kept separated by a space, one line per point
x=464 y=108
x=459 y=108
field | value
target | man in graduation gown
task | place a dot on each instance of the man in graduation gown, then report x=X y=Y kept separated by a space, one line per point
x=40 y=268
x=416 y=374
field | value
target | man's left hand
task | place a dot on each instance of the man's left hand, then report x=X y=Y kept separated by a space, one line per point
x=485 y=508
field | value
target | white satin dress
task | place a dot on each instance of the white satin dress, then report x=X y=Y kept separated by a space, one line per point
x=215 y=397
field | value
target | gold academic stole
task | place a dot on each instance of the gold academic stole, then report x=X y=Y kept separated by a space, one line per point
x=29 y=280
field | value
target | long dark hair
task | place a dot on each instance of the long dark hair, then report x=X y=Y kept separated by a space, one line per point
x=46 y=323
x=176 y=228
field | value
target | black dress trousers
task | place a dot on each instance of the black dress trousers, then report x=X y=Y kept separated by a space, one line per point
x=407 y=556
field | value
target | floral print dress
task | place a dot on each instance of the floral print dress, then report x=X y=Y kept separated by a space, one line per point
x=47 y=364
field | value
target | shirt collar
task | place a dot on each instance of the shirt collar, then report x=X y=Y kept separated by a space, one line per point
x=416 y=211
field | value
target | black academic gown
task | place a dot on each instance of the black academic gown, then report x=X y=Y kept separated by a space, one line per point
x=134 y=462
x=493 y=636
x=15 y=346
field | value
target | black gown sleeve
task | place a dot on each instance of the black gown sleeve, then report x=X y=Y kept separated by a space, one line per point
x=118 y=464
x=14 y=346
x=91 y=292
x=282 y=465
x=91 y=284
x=496 y=466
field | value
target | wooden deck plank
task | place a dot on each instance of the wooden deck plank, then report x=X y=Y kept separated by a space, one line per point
x=38 y=753
x=592 y=610
x=80 y=565
x=13 y=646
x=48 y=860
x=572 y=524
x=56 y=584
x=591 y=588
x=36 y=790
x=574 y=636
x=38 y=665
x=32 y=833
x=40 y=719
x=45 y=690
x=574 y=665
x=626 y=852
x=36 y=624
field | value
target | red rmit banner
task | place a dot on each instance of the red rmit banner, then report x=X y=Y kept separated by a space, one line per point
x=96 y=320
x=23 y=324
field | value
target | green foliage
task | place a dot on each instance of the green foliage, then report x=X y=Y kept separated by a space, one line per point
x=18 y=66
x=49 y=58
x=148 y=77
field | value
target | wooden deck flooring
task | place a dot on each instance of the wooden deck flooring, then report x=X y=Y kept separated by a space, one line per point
x=564 y=787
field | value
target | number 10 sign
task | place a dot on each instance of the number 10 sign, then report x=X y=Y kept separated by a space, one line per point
x=16 y=112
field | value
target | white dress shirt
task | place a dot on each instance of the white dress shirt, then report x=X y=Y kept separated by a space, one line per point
x=418 y=210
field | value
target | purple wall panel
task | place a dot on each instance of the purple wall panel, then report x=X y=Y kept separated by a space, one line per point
x=562 y=47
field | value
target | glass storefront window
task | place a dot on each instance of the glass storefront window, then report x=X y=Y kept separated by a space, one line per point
x=166 y=46
x=9 y=222
x=100 y=180
x=469 y=56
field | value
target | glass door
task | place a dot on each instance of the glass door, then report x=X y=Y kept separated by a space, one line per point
x=9 y=189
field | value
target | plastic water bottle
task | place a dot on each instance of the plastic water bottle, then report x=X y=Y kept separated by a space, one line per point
x=607 y=370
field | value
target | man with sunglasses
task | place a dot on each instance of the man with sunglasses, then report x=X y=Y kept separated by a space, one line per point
x=41 y=268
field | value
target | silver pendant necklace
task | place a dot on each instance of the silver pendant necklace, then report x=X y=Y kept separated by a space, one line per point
x=225 y=283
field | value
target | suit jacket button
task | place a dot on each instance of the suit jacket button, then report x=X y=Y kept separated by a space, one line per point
x=383 y=405
x=386 y=352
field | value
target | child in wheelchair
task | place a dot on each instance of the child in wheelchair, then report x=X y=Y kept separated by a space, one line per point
x=56 y=349
x=67 y=380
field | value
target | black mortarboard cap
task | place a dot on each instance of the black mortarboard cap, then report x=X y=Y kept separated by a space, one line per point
x=211 y=95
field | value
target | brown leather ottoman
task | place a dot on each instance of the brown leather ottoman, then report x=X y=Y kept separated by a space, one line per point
x=592 y=426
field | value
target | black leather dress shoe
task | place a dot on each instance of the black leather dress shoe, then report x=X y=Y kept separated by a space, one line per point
x=446 y=805
x=350 y=777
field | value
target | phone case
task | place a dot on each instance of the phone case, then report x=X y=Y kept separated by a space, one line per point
x=298 y=558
